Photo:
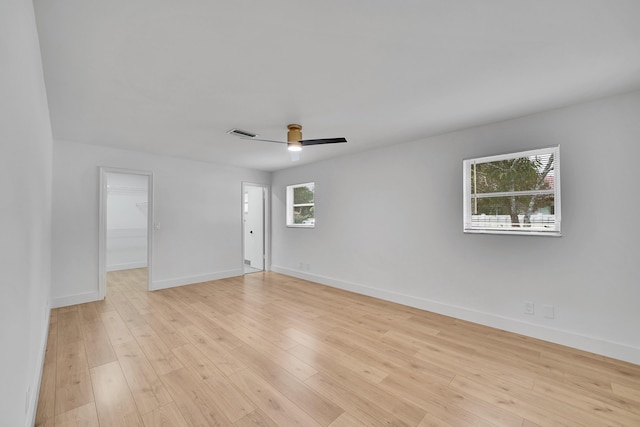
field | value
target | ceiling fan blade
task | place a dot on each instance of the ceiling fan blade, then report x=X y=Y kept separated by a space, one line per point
x=265 y=140
x=322 y=141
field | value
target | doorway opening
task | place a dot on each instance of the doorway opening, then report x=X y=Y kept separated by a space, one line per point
x=254 y=230
x=126 y=218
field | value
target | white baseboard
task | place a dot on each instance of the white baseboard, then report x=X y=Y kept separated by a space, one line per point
x=190 y=280
x=75 y=299
x=571 y=339
x=35 y=385
x=156 y=285
x=127 y=266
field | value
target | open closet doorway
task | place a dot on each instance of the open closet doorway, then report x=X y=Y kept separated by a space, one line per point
x=254 y=231
x=125 y=229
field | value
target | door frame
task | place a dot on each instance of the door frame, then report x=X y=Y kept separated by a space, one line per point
x=266 y=218
x=102 y=228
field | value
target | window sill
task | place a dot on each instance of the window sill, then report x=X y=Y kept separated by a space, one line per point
x=515 y=232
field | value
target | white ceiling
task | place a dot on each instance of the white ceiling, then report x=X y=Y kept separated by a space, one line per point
x=172 y=76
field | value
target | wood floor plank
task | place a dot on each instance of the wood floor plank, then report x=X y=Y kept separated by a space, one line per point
x=68 y=309
x=630 y=393
x=157 y=352
x=474 y=365
x=47 y=395
x=366 y=371
x=194 y=400
x=82 y=416
x=347 y=420
x=233 y=404
x=616 y=409
x=271 y=401
x=588 y=367
x=264 y=331
x=320 y=408
x=103 y=306
x=446 y=405
x=46 y=399
x=116 y=328
x=354 y=342
x=430 y=420
x=256 y=418
x=399 y=407
x=216 y=353
x=73 y=382
x=129 y=314
x=170 y=335
x=97 y=343
x=185 y=294
x=212 y=327
x=165 y=416
x=148 y=391
x=88 y=313
x=69 y=326
x=289 y=363
x=360 y=407
x=481 y=342
x=114 y=402
x=529 y=406
x=164 y=306
x=141 y=303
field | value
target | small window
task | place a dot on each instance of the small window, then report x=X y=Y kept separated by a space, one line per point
x=517 y=193
x=301 y=205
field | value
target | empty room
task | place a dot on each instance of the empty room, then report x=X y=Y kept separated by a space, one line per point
x=320 y=213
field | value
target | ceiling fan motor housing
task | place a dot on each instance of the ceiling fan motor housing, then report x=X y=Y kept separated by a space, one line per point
x=294 y=136
x=295 y=133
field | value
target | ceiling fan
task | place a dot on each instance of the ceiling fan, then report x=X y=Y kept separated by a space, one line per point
x=294 y=138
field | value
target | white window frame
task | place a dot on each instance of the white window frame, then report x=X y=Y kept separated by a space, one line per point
x=470 y=227
x=291 y=206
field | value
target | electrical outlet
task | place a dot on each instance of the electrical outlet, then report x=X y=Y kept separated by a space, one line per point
x=529 y=307
x=548 y=311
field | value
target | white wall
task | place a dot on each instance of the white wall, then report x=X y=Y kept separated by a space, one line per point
x=25 y=214
x=126 y=221
x=389 y=224
x=197 y=204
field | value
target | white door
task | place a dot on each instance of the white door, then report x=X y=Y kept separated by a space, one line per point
x=253 y=217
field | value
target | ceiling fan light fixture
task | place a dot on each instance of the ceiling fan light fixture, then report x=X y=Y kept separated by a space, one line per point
x=294 y=146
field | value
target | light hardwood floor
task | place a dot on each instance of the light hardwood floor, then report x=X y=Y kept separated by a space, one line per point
x=271 y=350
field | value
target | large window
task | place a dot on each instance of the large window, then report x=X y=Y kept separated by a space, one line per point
x=301 y=205
x=517 y=193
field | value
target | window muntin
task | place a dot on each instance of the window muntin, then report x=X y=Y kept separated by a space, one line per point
x=517 y=193
x=301 y=205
